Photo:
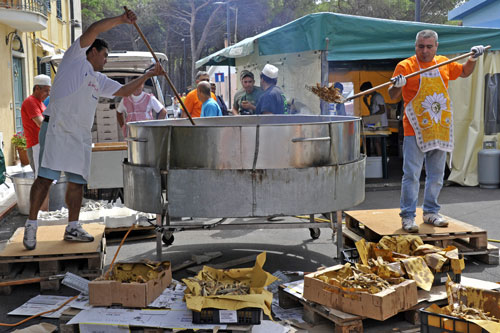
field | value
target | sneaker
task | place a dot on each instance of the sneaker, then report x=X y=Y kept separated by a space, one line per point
x=77 y=234
x=435 y=220
x=29 y=239
x=409 y=224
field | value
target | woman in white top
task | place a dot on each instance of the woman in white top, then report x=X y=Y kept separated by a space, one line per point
x=139 y=106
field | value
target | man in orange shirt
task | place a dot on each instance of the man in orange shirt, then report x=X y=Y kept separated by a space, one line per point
x=428 y=125
x=192 y=103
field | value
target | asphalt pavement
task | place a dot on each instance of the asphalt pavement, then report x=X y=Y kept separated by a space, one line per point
x=291 y=249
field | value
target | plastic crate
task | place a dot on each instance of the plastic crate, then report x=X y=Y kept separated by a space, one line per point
x=246 y=316
x=437 y=323
x=350 y=256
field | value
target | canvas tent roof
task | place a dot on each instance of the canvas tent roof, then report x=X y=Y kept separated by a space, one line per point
x=353 y=38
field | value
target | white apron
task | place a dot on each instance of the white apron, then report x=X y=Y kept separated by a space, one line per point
x=68 y=143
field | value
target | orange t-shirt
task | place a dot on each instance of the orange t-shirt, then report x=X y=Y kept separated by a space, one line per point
x=448 y=72
x=193 y=104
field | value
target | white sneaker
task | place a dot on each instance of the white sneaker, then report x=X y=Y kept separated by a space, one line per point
x=435 y=220
x=77 y=234
x=29 y=239
x=409 y=224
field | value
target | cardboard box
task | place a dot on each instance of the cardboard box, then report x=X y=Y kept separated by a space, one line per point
x=133 y=295
x=380 y=306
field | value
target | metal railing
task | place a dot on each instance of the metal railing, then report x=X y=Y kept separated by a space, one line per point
x=35 y=6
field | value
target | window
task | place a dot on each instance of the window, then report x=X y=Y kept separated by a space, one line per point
x=59 y=9
x=492 y=104
x=43 y=68
x=47 y=3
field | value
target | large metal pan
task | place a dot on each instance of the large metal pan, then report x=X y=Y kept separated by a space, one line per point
x=245 y=142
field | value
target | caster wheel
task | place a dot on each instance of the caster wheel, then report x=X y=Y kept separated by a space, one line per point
x=314 y=232
x=168 y=238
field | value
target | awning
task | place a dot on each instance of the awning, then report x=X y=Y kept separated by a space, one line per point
x=352 y=38
x=47 y=47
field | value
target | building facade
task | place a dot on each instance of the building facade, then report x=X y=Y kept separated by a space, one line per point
x=477 y=13
x=32 y=29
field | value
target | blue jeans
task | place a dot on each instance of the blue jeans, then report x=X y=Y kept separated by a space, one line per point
x=413 y=159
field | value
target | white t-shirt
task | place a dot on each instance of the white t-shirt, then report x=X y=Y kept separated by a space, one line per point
x=71 y=73
x=154 y=104
x=376 y=103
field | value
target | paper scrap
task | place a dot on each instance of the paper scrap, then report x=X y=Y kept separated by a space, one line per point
x=93 y=328
x=141 y=318
x=42 y=303
x=171 y=298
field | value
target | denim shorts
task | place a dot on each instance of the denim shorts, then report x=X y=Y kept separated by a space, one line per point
x=54 y=174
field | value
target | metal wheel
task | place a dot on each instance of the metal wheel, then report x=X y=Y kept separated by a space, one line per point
x=168 y=237
x=314 y=232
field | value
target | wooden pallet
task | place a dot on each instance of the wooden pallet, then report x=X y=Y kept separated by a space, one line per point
x=372 y=225
x=52 y=256
x=315 y=313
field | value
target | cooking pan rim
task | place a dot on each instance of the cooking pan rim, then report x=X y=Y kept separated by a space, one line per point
x=169 y=122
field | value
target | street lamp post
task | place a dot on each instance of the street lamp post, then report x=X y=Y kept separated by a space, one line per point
x=228 y=44
x=184 y=63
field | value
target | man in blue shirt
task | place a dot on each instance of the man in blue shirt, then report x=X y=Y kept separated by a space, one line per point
x=272 y=101
x=209 y=107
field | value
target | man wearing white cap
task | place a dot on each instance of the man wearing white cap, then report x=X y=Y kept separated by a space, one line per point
x=272 y=100
x=32 y=117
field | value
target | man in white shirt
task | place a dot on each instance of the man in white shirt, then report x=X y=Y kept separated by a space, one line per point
x=65 y=137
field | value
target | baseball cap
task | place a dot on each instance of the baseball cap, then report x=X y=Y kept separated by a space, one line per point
x=245 y=73
x=42 y=80
x=270 y=71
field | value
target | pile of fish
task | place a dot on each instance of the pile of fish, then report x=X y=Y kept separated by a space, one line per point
x=211 y=287
x=328 y=94
x=358 y=278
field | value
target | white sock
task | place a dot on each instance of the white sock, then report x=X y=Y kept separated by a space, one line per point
x=33 y=223
x=73 y=224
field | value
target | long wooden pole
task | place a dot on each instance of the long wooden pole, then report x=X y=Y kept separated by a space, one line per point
x=164 y=73
x=414 y=74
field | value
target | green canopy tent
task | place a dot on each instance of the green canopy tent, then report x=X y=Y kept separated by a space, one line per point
x=308 y=49
x=352 y=38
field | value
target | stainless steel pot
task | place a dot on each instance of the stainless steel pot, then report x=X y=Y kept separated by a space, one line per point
x=245 y=142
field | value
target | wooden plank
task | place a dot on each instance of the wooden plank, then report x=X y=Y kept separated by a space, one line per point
x=50 y=242
x=388 y=222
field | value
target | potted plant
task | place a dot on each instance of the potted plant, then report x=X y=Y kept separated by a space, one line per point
x=19 y=141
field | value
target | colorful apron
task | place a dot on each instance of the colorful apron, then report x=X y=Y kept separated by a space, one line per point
x=430 y=113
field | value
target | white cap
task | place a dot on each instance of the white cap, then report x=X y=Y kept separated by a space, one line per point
x=270 y=71
x=42 y=80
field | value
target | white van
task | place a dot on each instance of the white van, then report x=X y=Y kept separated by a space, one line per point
x=121 y=66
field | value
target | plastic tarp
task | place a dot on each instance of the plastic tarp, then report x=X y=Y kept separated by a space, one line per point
x=354 y=38
x=468 y=97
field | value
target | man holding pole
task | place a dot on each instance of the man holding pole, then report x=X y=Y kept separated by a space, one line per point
x=65 y=138
x=428 y=125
